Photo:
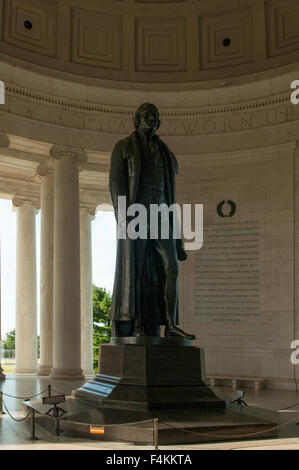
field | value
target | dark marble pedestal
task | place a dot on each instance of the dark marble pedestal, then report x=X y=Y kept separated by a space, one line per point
x=147 y=373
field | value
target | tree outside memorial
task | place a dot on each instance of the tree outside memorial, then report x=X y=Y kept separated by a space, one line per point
x=101 y=321
x=8 y=352
x=9 y=343
x=101 y=329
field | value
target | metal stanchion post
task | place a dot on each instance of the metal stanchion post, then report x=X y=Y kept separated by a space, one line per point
x=57 y=427
x=49 y=391
x=156 y=433
x=33 y=436
x=1 y=404
x=56 y=416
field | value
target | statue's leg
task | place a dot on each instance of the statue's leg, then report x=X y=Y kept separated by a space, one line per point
x=140 y=253
x=168 y=258
x=166 y=250
x=122 y=328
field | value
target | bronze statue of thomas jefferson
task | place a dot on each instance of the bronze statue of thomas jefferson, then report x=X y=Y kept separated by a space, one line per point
x=145 y=294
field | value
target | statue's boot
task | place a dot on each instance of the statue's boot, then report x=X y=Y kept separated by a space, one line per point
x=138 y=330
x=175 y=332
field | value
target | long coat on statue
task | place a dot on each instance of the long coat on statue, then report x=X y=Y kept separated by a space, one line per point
x=125 y=170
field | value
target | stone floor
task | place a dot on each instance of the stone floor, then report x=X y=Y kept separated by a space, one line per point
x=14 y=435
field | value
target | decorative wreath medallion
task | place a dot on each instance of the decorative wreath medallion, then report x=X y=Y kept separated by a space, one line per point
x=233 y=208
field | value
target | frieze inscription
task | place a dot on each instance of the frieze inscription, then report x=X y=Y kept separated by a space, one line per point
x=201 y=126
x=205 y=121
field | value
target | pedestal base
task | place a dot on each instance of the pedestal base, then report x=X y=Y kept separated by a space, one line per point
x=174 y=426
x=157 y=373
x=143 y=379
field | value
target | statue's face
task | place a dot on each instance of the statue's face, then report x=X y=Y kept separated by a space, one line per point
x=149 y=119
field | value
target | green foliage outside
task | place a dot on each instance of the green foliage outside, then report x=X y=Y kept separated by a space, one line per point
x=10 y=341
x=101 y=325
x=101 y=321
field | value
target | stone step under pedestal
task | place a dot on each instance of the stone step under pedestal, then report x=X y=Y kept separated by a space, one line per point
x=175 y=426
x=142 y=379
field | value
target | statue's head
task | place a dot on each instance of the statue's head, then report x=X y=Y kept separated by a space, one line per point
x=147 y=118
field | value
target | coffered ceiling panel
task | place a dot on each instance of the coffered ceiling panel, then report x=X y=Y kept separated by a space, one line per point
x=31 y=25
x=161 y=44
x=226 y=38
x=151 y=41
x=96 y=38
x=283 y=26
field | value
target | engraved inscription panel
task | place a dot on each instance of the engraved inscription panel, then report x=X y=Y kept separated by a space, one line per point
x=227 y=272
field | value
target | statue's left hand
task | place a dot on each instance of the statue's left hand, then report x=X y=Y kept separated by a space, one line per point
x=182 y=255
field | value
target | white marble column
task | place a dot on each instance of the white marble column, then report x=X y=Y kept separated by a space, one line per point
x=2 y=375
x=295 y=339
x=26 y=299
x=4 y=142
x=46 y=269
x=87 y=214
x=67 y=308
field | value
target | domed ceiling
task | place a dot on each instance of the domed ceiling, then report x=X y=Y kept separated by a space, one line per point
x=152 y=40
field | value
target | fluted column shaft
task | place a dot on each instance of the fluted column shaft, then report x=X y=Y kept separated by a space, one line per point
x=46 y=270
x=26 y=298
x=86 y=216
x=4 y=142
x=2 y=375
x=66 y=319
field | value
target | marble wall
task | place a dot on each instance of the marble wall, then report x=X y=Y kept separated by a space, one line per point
x=235 y=141
x=246 y=264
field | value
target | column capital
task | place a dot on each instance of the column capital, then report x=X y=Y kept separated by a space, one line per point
x=90 y=208
x=26 y=201
x=4 y=140
x=105 y=207
x=59 y=151
x=44 y=168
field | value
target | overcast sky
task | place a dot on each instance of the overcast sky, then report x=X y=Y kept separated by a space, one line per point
x=103 y=263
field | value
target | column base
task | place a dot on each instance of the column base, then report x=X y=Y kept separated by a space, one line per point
x=67 y=374
x=25 y=371
x=44 y=370
x=90 y=374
